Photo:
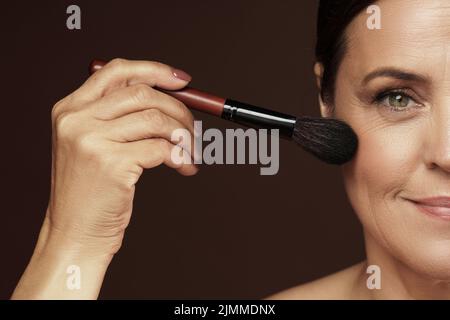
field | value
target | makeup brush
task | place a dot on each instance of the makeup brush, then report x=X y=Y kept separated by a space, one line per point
x=330 y=140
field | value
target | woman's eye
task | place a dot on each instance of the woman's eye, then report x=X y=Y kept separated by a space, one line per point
x=397 y=101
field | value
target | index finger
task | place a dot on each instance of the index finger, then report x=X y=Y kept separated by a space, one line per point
x=121 y=73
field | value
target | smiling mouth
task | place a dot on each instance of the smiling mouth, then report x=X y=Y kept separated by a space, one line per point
x=437 y=206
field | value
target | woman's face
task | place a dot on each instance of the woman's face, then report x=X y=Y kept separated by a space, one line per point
x=393 y=88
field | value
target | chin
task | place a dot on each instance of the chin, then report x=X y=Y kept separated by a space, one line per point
x=430 y=259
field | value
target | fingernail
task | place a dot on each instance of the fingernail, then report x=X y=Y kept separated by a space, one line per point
x=180 y=74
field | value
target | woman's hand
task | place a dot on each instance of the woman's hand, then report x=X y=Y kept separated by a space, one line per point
x=104 y=135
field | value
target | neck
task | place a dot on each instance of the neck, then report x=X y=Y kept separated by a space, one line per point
x=398 y=281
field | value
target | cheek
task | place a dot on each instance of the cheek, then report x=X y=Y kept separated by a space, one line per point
x=388 y=150
x=389 y=164
x=387 y=157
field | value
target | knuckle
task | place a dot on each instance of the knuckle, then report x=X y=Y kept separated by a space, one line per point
x=143 y=93
x=64 y=122
x=57 y=109
x=185 y=114
x=117 y=63
x=155 y=117
x=164 y=148
x=88 y=144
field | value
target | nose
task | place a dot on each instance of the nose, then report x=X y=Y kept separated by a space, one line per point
x=438 y=151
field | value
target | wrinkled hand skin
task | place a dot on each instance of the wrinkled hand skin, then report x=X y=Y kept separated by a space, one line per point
x=104 y=135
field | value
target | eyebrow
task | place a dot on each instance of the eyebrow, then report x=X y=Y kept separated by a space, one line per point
x=394 y=73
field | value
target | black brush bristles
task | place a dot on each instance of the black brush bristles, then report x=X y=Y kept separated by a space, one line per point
x=331 y=140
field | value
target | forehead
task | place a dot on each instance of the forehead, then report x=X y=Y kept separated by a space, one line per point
x=414 y=35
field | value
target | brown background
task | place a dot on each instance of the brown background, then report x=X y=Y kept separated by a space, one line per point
x=227 y=232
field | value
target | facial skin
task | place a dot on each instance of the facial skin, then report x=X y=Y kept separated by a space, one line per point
x=404 y=146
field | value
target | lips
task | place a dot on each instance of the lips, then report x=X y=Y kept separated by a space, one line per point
x=436 y=206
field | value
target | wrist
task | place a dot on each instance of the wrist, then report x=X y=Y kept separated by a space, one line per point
x=62 y=268
x=64 y=248
x=78 y=239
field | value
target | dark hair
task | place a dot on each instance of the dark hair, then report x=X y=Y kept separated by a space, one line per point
x=334 y=16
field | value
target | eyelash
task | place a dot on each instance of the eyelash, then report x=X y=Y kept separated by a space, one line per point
x=404 y=92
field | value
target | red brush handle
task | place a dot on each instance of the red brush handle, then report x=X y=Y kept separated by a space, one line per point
x=192 y=98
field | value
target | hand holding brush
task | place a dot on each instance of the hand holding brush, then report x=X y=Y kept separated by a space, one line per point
x=118 y=123
x=331 y=140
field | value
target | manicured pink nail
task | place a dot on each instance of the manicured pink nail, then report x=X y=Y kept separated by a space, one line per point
x=180 y=74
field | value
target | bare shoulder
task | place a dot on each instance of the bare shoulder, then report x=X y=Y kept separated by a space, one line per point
x=337 y=286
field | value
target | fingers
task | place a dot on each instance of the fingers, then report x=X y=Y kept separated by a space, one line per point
x=121 y=73
x=150 y=123
x=138 y=98
x=150 y=153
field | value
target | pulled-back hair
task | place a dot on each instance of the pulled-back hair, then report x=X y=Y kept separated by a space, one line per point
x=334 y=16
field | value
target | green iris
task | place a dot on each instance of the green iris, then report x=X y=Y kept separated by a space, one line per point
x=398 y=101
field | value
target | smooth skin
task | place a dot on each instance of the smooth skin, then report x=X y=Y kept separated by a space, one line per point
x=104 y=135
x=404 y=152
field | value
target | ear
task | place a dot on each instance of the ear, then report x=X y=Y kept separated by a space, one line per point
x=325 y=110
